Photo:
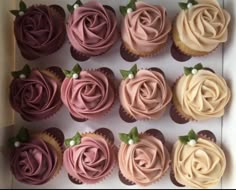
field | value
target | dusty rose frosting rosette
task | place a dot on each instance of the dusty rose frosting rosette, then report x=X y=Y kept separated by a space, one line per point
x=144 y=94
x=200 y=27
x=39 y=29
x=145 y=28
x=200 y=94
x=197 y=161
x=35 y=94
x=92 y=28
x=36 y=158
x=143 y=158
x=88 y=94
x=89 y=158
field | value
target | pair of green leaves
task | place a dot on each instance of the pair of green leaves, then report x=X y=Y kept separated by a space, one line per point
x=76 y=139
x=131 y=5
x=23 y=8
x=71 y=7
x=25 y=71
x=76 y=70
x=188 y=70
x=125 y=73
x=184 y=6
x=22 y=136
x=132 y=135
x=191 y=136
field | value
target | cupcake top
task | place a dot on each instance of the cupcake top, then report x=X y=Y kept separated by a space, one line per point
x=203 y=25
x=144 y=94
x=87 y=94
x=90 y=158
x=35 y=94
x=92 y=28
x=202 y=95
x=36 y=159
x=143 y=159
x=145 y=28
x=39 y=30
x=198 y=165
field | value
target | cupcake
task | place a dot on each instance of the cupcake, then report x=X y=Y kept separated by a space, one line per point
x=36 y=158
x=197 y=161
x=145 y=28
x=91 y=29
x=35 y=94
x=143 y=158
x=144 y=94
x=90 y=157
x=90 y=94
x=199 y=94
x=39 y=29
x=200 y=27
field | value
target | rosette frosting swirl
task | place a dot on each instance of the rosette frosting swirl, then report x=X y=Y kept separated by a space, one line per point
x=90 y=161
x=34 y=162
x=36 y=97
x=201 y=166
x=89 y=96
x=203 y=95
x=146 y=29
x=40 y=31
x=146 y=96
x=92 y=29
x=203 y=26
x=144 y=162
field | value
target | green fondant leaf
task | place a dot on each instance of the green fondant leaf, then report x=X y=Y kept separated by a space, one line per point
x=124 y=73
x=124 y=138
x=123 y=10
x=193 y=2
x=188 y=70
x=78 y=2
x=131 y=4
x=76 y=69
x=11 y=141
x=14 y=12
x=23 y=135
x=76 y=139
x=192 y=135
x=183 y=6
x=26 y=71
x=22 y=6
x=134 y=134
x=184 y=139
x=70 y=8
x=134 y=69
x=198 y=66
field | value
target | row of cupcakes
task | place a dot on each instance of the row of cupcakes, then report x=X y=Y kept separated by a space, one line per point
x=143 y=158
x=144 y=94
x=92 y=29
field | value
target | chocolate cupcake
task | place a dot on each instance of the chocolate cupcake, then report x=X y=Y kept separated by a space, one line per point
x=39 y=29
x=91 y=29
x=35 y=94
x=144 y=94
x=199 y=94
x=36 y=158
x=90 y=94
x=143 y=158
x=90 y=157
x=197 y=161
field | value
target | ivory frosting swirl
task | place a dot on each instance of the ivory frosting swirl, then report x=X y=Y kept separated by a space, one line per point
x=146 y=96
x=146 y=29
x=144 y=162
x=88 y=97
x=203 y=26
x=201 y=166
x=90 y=161
x=34 y=162
x=92 y=29
x=36 y=97
x=202 y=96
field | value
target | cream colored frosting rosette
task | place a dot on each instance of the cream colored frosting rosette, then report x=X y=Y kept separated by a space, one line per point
x=198 y=165
x=202 y=95
x=200 y=28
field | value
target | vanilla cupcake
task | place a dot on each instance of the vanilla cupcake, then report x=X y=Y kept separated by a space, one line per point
x=143 y=158
x=200 y=27
x=39 y=29
x=89 y=158
x=36 y=158
x=197 y=161
x=199 y=94
x=145 y=28
x=88 y=94
x=144 y=94
x=35 y=94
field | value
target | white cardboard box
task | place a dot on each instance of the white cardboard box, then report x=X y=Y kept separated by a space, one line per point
x=222 y=61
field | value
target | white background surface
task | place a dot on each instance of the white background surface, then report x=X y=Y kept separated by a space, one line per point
x=223 y=129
